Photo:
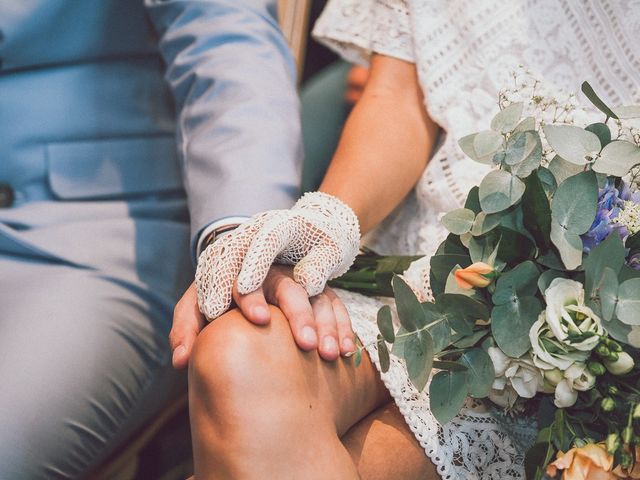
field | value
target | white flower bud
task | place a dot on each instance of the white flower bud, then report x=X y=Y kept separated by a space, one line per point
x=565 y=395
x=624 y=364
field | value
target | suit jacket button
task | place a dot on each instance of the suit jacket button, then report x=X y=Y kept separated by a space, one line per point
x=6 y=195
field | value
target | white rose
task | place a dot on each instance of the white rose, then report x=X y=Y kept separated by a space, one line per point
x=548 y=351
x=519 y=375
x=570 y=320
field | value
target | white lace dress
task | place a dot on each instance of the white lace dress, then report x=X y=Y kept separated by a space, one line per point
x=466 y=52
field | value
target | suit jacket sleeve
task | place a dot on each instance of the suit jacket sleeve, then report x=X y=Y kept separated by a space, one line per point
x=233 y=81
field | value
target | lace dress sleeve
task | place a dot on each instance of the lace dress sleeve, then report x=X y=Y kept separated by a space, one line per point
x=357 y=28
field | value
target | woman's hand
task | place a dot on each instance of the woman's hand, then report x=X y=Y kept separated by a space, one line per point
x=320 y=322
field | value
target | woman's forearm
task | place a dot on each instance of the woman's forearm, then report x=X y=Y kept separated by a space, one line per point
x=385 y=144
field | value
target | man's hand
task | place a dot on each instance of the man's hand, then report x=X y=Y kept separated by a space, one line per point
x=320 y=322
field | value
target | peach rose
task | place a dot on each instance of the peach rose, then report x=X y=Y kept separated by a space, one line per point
x=476 y=275
x=591 y=462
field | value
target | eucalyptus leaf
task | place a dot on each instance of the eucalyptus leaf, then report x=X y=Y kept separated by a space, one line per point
x=548 y=180
x=449 y=365
x=617 y=158
x=628 y=308
x=418 y=354
x=533 y=156
x=602 y=131
x=462 y=311
x=441 y=266
x=484 y=223
x=409 y=309
x=596 y=100
x=507 y=119
x=627 y=112
x=575 y=203
x=383 y=355
x=440 y=332
x=528 y=123
x=488 y=142
x=569 y=245
x=609 y=253
x=521 y=280
x=459 y=221
x=447 y=394
x=452 y=285
x=572 y=143
x=480 y=372
x=561 y=169
x=385 y=324
x=608 y=288
x=470 y=340
x=537 y=211
x=499 y=190
x=548 y=276
x=511 y=322
x=519 y=146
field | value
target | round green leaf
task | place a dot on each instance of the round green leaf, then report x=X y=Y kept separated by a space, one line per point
x=572 y=143
x=608 y=288
x=561 y=169
x=511 y=322
x=507 y=119
x=484 y=223
x=575 y=202
x=499 y=190
x=480 y=372
x=459 y=221
x=617 y=158
x=528 y=123
x=569 y=245
x=628 y=309
x=487 y=141
x=519 y=147
x=447 y=394
x=602 y=131
x=418 y=354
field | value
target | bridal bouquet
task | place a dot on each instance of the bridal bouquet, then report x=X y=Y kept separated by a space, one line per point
x=536 y=291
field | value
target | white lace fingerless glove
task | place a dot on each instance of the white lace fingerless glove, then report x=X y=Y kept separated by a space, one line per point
x=320 y=235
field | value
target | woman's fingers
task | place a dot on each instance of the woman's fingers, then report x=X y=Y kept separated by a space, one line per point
x=343 y=323
x=328 y=346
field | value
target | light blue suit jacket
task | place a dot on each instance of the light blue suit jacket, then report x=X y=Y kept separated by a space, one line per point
x=93 y=92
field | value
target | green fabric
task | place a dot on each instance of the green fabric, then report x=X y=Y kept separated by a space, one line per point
x=324 y=112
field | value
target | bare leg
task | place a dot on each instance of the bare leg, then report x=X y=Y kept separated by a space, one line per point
x=262 y=408
x=382 y=447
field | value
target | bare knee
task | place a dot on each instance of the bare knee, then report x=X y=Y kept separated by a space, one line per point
x=234 y=361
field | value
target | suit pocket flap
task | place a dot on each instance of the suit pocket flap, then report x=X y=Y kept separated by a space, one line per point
x=113 y=167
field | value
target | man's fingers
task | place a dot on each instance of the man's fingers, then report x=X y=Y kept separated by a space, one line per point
x=187 y=323
x=328 y=346
x=343 y=323
x=292 y=299
x=253 y=306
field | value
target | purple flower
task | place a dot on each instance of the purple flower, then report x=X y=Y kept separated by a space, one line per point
x=610 y=201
